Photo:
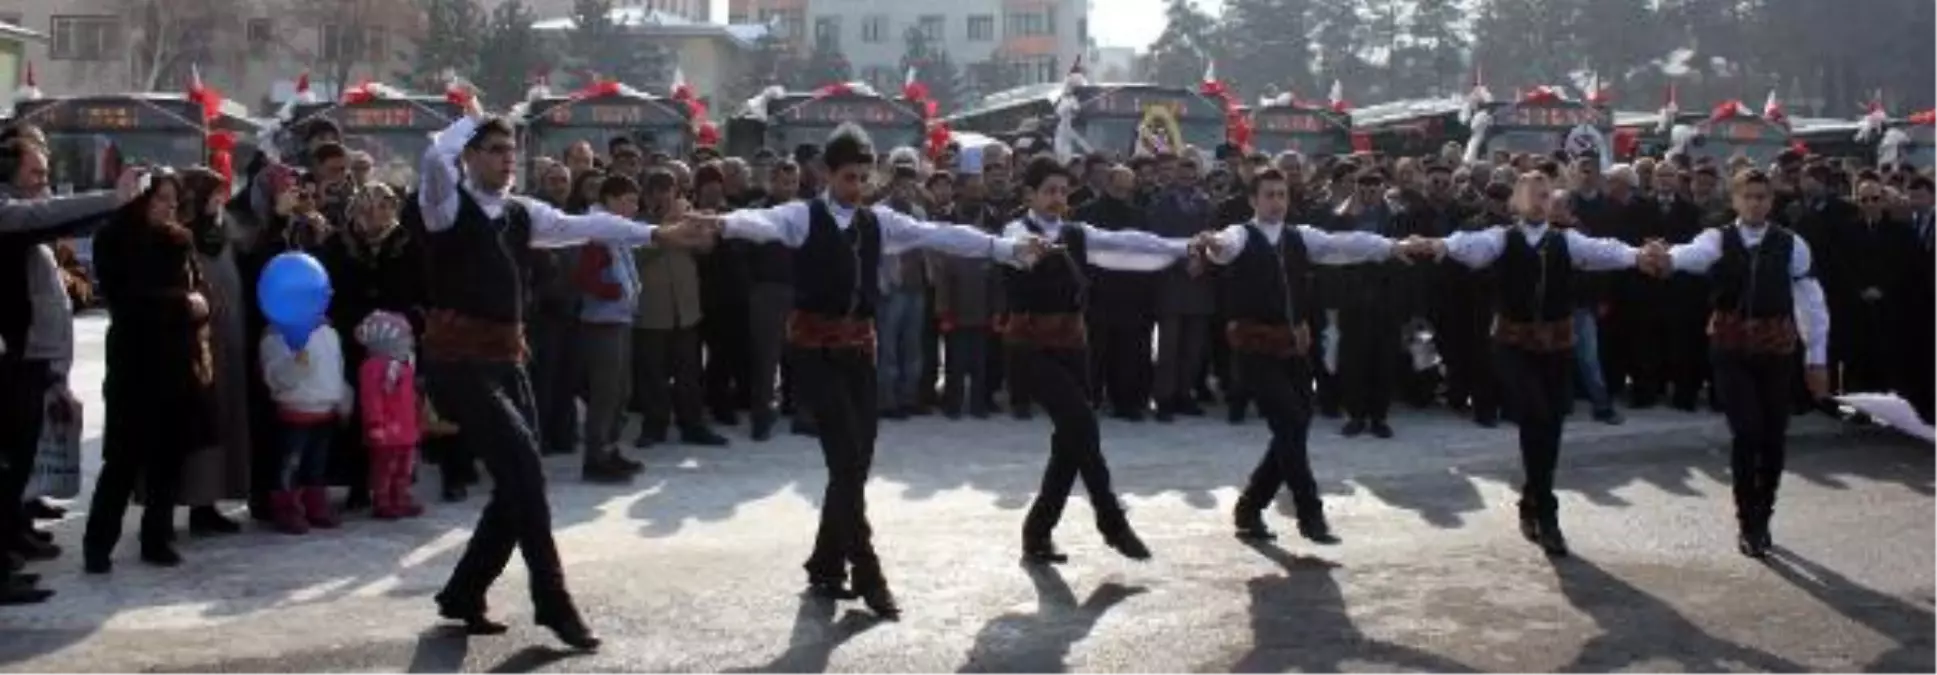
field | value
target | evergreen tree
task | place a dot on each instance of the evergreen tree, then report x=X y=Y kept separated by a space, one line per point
x=1269 y=47
x=1181 y=53
x=450 y=44
x=1515 y=43
x=827 y=65
x=600 y=45
x=934 y=70
x=1432 y=60
x=1339 y=36
x=509 y=53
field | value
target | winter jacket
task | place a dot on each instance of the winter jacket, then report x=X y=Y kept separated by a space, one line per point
x=389 y=402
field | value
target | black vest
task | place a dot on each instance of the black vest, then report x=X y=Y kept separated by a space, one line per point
x=476 y=266
x=1057 y=284
x=1269 y=284
x=836 y=272
x=1753 y=283
x=1536 y=281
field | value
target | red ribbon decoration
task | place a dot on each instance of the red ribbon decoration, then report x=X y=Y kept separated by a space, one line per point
x=835 y=89
x=360 y=94
x=1541 y=95
x=1924 y=119
x=458 y=96
x=221 y=146
x=597 y=89
x=708 y=134
x=1726 y=110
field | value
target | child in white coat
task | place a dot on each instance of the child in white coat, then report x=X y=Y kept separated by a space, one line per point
x=312 y=397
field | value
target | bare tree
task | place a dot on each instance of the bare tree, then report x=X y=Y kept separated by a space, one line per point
x=351 y=36
x=168 y=36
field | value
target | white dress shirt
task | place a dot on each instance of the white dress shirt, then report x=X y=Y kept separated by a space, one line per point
x=1121 y=250
x=1812 y=313
x=439 y=183
x=1479 y=248
x=1321 y=247
x=789 y=223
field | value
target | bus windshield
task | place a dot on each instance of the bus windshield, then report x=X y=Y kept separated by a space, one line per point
x=552 y=141
x=393 y=152
x=1119 y=134
x=1529 y=141
x=1761 y=154
x=1309 y=145
x=885 y=138
x=91 y=161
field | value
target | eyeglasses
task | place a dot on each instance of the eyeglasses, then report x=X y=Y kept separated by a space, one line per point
x=502 y=149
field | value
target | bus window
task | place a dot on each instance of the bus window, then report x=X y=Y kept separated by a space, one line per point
x=1543 y=142
x=550 y=141
x=395 y=154
x=90 y=161
x=885 y=139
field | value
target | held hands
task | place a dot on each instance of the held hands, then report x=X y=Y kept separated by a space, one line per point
x=1204 y=245
x=197 y=307
x=1031 y=248
x=1416 y=248
x=1653 y=259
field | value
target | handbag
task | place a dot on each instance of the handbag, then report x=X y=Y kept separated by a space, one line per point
x=57 y=454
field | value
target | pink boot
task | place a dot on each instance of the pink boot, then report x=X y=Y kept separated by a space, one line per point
x=288 y=513
x=383 y=498
x=316 y=508
x=404 y=471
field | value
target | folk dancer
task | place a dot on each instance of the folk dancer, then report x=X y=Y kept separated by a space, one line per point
x=1763 y=300
x=474 y=353
x=1268 y=305
x=1533 y=329
x=837 y=248
x=1047 y=341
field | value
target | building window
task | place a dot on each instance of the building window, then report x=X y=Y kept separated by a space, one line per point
x=376 y=43
x=1049 y=20
x=882 y=78
x=933 y=27
x=13 y=18
x=874 y=29
x=827 y=33
x=84 y=38
x=981 y=28
x=261 y=33
x=1023 y=24
x=1034 y=69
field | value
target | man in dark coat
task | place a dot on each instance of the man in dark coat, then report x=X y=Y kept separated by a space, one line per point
x=1121 y=311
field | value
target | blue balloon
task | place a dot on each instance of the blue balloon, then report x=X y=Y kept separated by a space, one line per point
x=294 y=292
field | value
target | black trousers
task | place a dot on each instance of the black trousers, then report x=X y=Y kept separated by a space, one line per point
x=1867 y=349
x=728 y=334
x=1368 y=349
x=767 y=343
x=1058 y=379
x=1000 y=367
x=1684 y=341
x=1182 y=353
x=967 y=382
x=556 y=369
x=128 y=456
x=1123 y=362
x=1282 y=389
x=1536 y=386
x=1754 y=391
x=1466 y=347
x=840 y=386
x=493 y=404
x=23 y=392
x=666 y=379
x=928 y=384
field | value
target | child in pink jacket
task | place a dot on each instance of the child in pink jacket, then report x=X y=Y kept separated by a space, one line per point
x=387 y=390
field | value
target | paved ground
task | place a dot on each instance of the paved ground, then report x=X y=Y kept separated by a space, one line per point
x=696 y=567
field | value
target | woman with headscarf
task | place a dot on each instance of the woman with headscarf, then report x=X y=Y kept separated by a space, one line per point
x=373 y=266
x=221 y=470
x=159 y=369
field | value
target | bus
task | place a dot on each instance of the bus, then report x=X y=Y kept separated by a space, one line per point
x=1312 y=131
x=91 y=138
x=553 y=123
x=394 y=131
x=1723 y=138
x=784 y=121
x=1109 y=118
x=1542 y=125
x=1411 y=127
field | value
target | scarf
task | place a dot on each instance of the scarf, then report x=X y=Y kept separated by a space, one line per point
x=211 y=234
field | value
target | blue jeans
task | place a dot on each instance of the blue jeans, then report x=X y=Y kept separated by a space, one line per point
x=898 y=325
x=1587 y=359
x=305 y=454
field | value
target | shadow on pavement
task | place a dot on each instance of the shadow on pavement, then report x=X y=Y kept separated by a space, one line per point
x=1637 y=628
x=1889 y=616
x=1040 y=642
x=1299 y=622
x=440 y=650
x=815 y=636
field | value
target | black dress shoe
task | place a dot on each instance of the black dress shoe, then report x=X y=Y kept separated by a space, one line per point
x=93 y=564
x=619 y=459
x=830 y=588
x=1750 y=544
x=41 y=509
x=207 y=521
x=1251 y=526
x=702 y=436
x=1190 y=408
x=42 y=535
x=1317 y=531
x=879 y=600
x=1023 y=412
x=24 y=578
x=571 y=630
x=647 y=440
x=455 y=493
x=1550 y=539
x=1529 y=527
x=160 y=555
x=604 y=471
x=726 y=418
x=1353 y=428
x=474 y=620
x=807 y=429
x=1125 y=540
x=33 y=549
x=1487 y=421
x=19 y=594
x=1043 y=553
x=762 y=427
x=1381 y=430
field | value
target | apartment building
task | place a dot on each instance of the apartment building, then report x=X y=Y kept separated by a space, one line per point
x=251 y=50
x=713 y=57
x=697 y=11
x=998 y=43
